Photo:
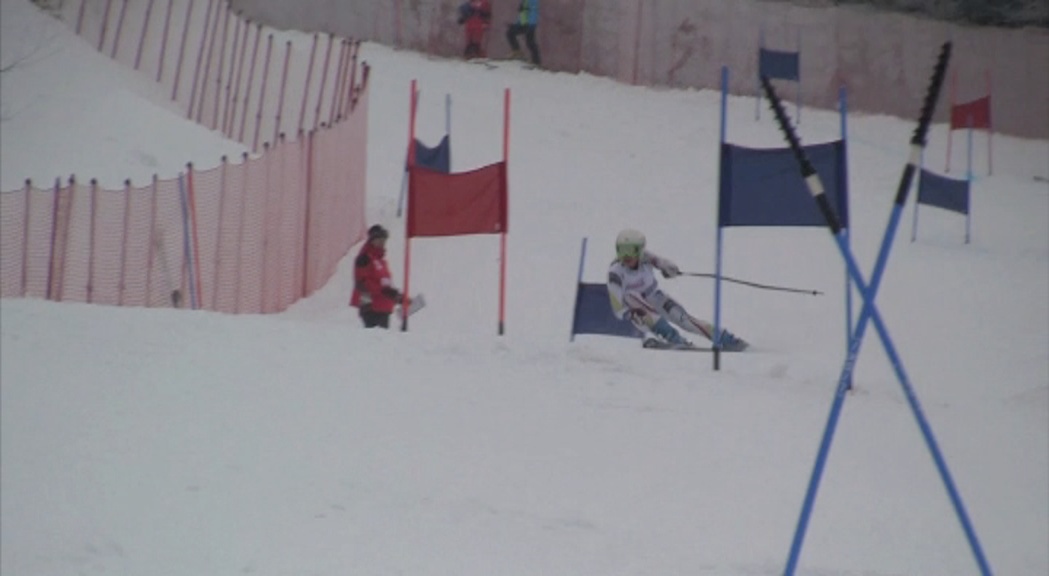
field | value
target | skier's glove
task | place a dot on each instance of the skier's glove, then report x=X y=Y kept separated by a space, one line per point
x=669 y=269
x=392 y=293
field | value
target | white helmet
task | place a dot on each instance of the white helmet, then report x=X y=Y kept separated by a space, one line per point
x=630 y=244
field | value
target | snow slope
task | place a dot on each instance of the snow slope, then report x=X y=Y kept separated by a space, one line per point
x=174 y=443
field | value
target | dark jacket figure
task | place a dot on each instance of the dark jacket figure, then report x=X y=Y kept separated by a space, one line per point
x=373 y=292
x=475 y=15
x=527 y=21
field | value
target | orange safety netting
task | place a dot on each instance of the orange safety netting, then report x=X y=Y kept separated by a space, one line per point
x=251 y=237
x=244 y=237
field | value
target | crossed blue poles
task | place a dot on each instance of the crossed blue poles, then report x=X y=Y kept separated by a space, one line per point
x=870 y=312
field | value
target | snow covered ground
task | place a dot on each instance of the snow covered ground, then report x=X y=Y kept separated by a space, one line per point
x=165 y=442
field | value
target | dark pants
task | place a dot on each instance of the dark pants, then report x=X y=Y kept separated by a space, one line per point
x=374 y=319
x=476 y=30
x=473 y=50
x=515 y=30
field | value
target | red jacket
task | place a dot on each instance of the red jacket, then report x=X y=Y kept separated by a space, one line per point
x=475 y=14
x=372 y=283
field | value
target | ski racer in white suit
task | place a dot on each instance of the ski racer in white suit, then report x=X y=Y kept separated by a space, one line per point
x=635 y=295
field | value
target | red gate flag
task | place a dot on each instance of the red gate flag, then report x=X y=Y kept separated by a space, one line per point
x=473 y=202
x=975 y=114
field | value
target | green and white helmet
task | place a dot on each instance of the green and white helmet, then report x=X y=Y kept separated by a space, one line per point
x=629 y=244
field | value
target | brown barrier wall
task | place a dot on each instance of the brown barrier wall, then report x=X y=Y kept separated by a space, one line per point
x=884 y=59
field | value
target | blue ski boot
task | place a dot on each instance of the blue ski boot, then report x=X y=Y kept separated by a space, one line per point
x=664 y=330
x=732 y=343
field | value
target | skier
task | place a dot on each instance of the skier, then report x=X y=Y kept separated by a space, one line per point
x=373 y=293
x=476 y=15
x=635 y=295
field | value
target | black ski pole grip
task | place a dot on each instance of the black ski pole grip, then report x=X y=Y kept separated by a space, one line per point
x=808 y=171
x=932 y=95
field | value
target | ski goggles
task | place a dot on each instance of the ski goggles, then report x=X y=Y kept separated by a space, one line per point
x=628 y=251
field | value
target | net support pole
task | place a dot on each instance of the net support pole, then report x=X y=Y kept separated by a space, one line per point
x=187 y=254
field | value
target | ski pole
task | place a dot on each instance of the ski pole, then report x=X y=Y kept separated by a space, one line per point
x=754 y=284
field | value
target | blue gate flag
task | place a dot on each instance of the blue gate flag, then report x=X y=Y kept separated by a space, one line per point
x=438 y=158
x=762 y=187
x=779 y=64
x=951 y=194
x=593 y=313
x=943 y=192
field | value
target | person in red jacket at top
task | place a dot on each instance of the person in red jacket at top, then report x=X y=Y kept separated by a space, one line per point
x=475 y=14
x=373 y=293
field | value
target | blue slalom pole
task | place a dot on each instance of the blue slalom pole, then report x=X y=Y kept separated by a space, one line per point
x=969 y=182
x=844 y=109
x=757 y=103
x=718 y=241
x=448 y=126
x=404 y=186
x=918 y=200
x=870 y=312
x=799 y=77
x=578 y=282
x=867 y=313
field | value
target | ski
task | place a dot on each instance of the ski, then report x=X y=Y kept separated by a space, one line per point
x=657 y=344
x=493 y=64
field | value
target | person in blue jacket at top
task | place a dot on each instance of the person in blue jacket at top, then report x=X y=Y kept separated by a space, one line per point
x=526 y=23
